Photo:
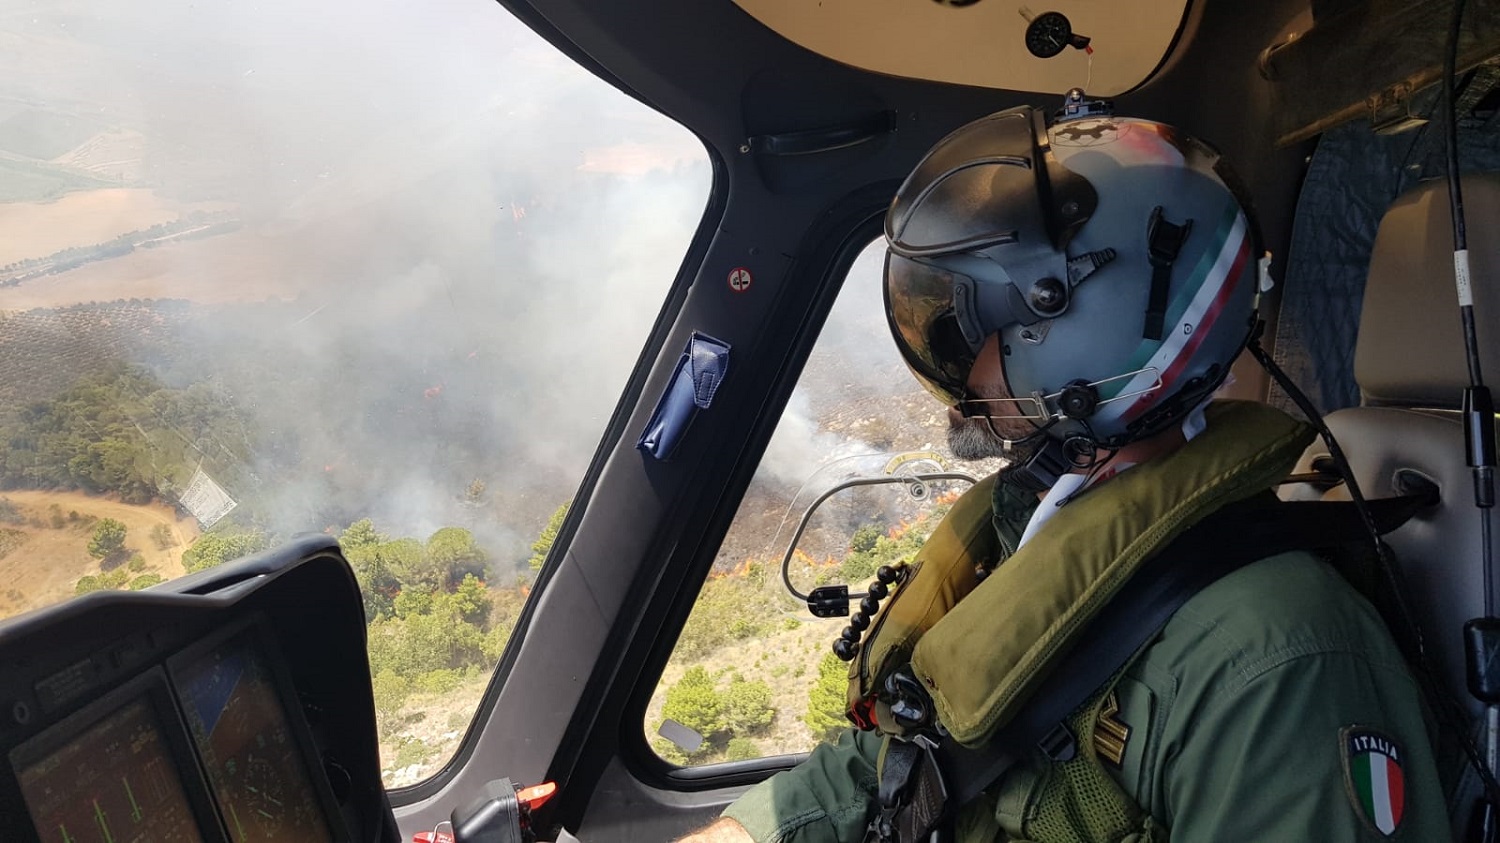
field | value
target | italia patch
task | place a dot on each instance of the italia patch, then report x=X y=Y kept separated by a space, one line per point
x=1374 y=777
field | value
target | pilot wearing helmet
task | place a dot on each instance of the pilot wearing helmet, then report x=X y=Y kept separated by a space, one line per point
x=1076 y=293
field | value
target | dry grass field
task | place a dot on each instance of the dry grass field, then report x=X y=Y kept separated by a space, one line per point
x=37 y=229
x=43 y=564
x=240 y=267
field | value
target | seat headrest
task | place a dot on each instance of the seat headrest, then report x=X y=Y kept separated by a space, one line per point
x=1410 y=350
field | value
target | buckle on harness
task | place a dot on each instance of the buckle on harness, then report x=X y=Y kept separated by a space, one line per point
x=1059 y=744
x=911 y=707
x=913 y=796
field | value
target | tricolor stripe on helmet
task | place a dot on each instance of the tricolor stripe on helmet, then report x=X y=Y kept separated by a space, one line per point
x=1214 y=280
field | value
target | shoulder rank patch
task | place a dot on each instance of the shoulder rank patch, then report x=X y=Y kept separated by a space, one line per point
x=1374 y=778
x=1110 y=732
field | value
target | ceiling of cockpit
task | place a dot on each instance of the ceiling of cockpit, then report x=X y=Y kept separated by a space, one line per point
x=984 y=43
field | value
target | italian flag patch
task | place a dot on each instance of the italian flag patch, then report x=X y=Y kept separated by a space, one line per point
x=1374 y=778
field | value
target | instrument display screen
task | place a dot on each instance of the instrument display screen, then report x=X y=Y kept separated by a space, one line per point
x=254 y=762
x=116 y=781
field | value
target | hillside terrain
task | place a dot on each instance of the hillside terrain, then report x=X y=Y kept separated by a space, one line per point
x=44 y=550
x=403 y=326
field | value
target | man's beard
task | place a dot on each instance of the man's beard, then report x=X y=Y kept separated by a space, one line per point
x=972 y=439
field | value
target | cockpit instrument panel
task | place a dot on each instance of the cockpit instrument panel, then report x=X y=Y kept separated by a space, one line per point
x=203 y=751
x=108 y=773
x=200 y=715
x=254 y=762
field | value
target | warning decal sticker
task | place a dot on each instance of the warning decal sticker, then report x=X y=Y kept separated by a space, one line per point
x=739 y=279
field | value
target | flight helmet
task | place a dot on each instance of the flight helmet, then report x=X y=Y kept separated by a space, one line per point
x=1110 y=254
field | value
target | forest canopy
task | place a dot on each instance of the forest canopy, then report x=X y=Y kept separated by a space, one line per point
x=121 y=431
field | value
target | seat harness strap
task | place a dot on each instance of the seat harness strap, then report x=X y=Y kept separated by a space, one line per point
x=1262 y=526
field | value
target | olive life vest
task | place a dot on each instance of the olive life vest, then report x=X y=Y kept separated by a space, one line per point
x=981 y=649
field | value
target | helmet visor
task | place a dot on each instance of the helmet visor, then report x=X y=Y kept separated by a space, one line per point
x=941 y=318
x=925 y=321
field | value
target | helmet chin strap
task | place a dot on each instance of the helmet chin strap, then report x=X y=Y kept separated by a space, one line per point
x=1040 y=471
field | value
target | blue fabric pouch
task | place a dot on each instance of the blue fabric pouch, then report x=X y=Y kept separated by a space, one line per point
x=694 y=382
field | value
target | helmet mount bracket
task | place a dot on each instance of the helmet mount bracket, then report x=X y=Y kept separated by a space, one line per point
x=1164 y=241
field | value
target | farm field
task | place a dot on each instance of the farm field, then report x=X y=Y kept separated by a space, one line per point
x=36 y=229
x=244 y=266
x=41 y=565
x=36 y=181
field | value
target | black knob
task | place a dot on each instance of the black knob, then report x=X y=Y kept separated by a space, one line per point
x=859 y=621
x=845 y=650
x=869 y=606
x=1049 y=296
x=850 y=634
x=1079 y=399
x=878 y=590
x=887 y=574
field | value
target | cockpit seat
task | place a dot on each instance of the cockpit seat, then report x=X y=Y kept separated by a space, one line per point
x=1411 y=369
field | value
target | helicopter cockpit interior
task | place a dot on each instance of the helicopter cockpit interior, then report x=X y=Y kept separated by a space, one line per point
x=288 y=667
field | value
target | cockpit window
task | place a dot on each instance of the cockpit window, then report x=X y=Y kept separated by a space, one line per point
x=856 y=477
x=377 y=270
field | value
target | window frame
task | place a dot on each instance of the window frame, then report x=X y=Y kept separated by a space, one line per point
x=615 y=430
x=840 y=249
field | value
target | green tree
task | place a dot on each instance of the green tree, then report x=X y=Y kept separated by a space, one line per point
x=377 y=583
x=359 y=534
x=220 y=546
x=867 y=556
x=410 y=602
x=454 y=552
x=694 y=702
x=472 y=601
x=421 y=643
x=741 y=749
x=747 y=706
x=407 y=562
x=108 y=539
x=826 y=699
x=729 y=609
x=391 y=691
x=106 y=581
x=119 y=430
x=146 y=581
x=864 y=539
x=543 y=543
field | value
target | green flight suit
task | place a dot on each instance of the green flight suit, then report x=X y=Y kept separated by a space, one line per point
x=1240 y=722
x=1236 y=714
